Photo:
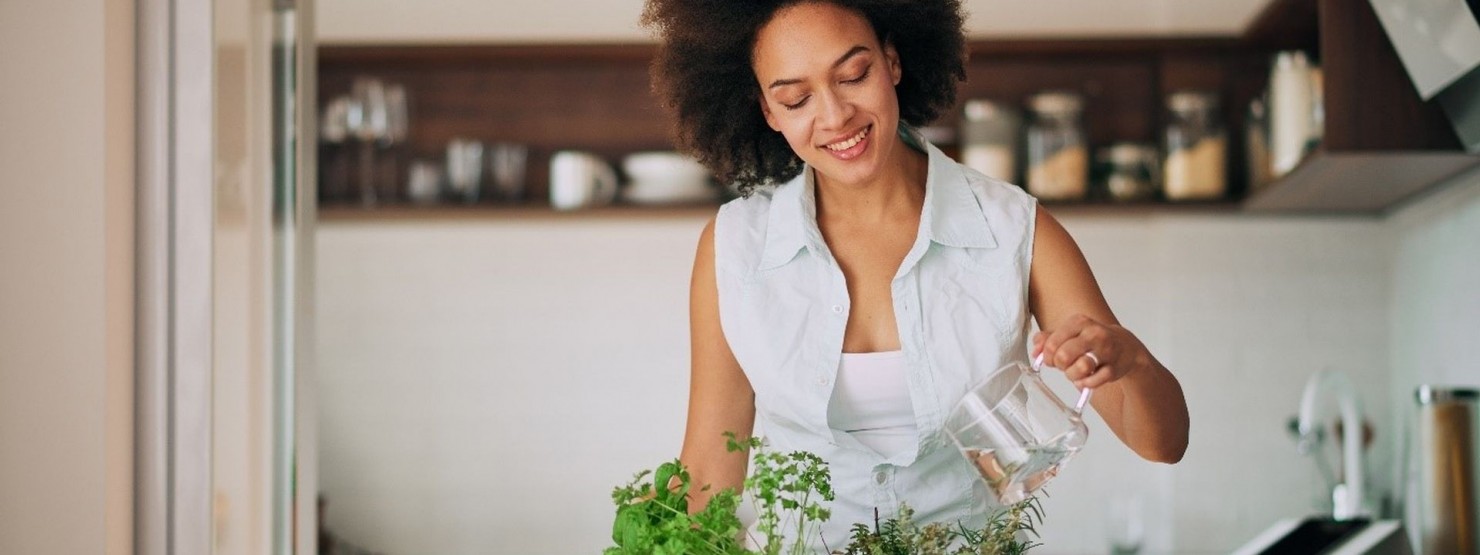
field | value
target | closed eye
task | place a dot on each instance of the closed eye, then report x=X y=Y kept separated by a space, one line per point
x=798 y=103
x=860 y=78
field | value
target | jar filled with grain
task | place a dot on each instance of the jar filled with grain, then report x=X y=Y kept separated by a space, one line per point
x=1057 y=156
x=1196 y=148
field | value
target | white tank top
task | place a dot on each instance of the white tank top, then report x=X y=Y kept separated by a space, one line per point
x=871 y=402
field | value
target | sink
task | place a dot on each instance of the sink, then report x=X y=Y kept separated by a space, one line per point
x=1325 y=536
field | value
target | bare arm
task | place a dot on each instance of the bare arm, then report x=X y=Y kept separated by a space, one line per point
x=720 y=397
x=1138 y=397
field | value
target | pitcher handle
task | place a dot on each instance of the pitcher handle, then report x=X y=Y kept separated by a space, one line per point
x=1084 y=394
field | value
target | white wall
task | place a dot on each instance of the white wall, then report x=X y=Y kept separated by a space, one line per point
x=66 y=276
x=454 y=21
x=486 y=384
x=1436 y=293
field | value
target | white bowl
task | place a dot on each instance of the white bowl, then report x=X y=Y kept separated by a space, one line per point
x=663 y=165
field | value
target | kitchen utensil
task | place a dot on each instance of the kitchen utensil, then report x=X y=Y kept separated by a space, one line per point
x=368 y=122
x=989 y=138
x=663 y=166
x=1196 y=149
x=334 y=156
x=1015 y=431
x=391 y=143
x=1294 y=95
x=1444 y=516
x=1058 y=160
x=668 y=193
x=465 y=169
x=424 y=182
x=1130 y=171
x=1125 y=526
x=506 y=165
x=580 y=179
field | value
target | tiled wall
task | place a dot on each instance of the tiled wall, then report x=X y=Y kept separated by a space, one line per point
x=1436 y=294
x=485 y=385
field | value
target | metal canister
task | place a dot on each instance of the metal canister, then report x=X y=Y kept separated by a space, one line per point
x=1445 y=520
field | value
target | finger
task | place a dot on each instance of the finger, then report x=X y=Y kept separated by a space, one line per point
x=1101 y=376
x=1079 y=367
x=1068 y=330
x=1067 y=352
x=1038 y=338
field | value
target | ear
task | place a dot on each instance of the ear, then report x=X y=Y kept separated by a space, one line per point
x=891 y=56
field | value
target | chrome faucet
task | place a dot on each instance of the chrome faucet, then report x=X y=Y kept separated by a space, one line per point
x=1347 y=498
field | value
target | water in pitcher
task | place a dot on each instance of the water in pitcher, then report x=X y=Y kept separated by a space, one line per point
x=1014 y=479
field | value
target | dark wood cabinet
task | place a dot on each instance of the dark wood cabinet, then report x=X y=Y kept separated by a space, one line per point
x=1382 y=144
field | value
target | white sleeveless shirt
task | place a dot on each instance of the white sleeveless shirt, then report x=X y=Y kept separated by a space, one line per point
x=960 y=300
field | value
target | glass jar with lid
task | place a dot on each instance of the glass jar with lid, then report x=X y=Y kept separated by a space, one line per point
x=989 y=138
x=1130 y=171
x=1196 y=148
x=1057 y=157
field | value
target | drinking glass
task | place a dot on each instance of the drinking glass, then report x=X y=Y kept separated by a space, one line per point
x=506 y=163
x=391 y=143
x=465 y=169
x=424 y=182
x=368 y=122
x=1124 y=525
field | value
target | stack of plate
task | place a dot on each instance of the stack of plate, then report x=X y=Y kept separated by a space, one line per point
x=666 y=178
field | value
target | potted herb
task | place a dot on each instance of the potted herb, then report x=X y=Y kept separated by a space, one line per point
x=789 y=490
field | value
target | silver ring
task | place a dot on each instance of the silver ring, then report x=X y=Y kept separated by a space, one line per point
x=1094 y=358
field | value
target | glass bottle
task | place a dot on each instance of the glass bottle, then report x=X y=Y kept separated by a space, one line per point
x=1058 y=160
x=989 y=138
x=1195 y=167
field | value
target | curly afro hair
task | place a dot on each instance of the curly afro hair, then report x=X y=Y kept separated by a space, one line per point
x=703 y=74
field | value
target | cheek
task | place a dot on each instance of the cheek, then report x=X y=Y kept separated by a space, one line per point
x=796 y=129
x=881 y=99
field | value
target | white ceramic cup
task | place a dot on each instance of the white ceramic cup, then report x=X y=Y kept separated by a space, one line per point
x=580 y=179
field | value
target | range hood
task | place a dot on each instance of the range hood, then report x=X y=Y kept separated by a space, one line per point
x=1439 y=43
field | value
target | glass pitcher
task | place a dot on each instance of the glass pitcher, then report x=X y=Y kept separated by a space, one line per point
x=1016 y=432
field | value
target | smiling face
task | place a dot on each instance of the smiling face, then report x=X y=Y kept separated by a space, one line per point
x=827 y=85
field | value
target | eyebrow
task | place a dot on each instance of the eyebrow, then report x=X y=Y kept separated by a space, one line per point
x=856 y=50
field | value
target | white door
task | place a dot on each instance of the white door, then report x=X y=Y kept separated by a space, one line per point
x=225 y=460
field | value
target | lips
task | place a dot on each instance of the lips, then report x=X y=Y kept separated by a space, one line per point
x=851 y=146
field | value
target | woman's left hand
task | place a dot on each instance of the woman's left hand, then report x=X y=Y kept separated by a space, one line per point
x=1090 y=353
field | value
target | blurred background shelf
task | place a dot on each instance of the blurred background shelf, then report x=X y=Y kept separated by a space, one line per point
x=494 y=212
x=1382 y=144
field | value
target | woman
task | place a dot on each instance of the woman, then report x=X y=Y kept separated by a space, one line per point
x=865 y=280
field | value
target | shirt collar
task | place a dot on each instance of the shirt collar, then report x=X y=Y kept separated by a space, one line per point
x=951 y=215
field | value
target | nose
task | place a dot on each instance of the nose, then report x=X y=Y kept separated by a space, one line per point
x=835 y=112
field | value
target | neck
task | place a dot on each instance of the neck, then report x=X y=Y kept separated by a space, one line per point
x=898 y=190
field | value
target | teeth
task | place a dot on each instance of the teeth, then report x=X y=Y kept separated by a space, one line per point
x=847 y=144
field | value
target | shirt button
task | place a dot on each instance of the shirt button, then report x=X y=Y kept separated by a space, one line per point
x=821 y=381
x=837 y=309
x=880 y=478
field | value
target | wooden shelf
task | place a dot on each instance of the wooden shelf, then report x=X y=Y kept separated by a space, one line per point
x=1358 y=182
x=1382 y=143
x=501 y=213
x=1142 y=208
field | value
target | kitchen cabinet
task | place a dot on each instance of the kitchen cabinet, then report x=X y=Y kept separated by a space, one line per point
x=1382 y=145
